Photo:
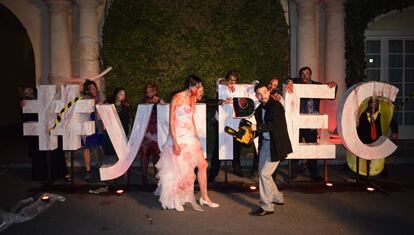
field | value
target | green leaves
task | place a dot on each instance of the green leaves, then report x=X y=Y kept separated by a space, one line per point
x=166 y=41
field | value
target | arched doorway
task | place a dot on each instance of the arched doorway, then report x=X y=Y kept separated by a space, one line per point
x=17 y=68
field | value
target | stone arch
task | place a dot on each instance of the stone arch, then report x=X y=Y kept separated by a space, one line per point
x=17 y=65
x=33 y=15
x=394 y=20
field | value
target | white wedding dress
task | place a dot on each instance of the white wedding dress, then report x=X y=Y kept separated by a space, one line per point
x=176 y=172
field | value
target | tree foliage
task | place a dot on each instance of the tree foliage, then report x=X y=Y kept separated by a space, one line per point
x=166 y=41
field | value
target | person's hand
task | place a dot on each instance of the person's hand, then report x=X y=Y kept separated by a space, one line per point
x=276 y=96
x=289 y=87
x=331 y=84
x=254 y=127
x=176 y=149
x=394 y=136
x=23 y=103
x=228 y=100
x=231 y=88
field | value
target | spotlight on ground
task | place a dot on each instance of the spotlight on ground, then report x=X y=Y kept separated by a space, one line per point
x=253 y=188
x=329 y=184
x=370 y=189
x=45 y=198
x=119 y=192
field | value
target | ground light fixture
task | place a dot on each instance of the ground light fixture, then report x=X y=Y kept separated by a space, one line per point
x=45 y=198
x=370 y=189
x=119 y=192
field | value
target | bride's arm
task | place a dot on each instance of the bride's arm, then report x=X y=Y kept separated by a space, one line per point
x=193 y=106
x=195 y=128
x=172 y=123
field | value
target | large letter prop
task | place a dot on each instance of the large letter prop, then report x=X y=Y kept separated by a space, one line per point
x=72 y=124
x=227 y=117
x=295 y=121
x=348 y=119
x=125 y=149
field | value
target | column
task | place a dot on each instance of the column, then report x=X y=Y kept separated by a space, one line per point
x=307 y=36
x=88 y=44
x=60 y=60
x=334 y=54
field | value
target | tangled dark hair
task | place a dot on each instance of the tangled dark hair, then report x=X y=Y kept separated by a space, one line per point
x=112 y=100
x=191 y=81
x=231 y=73
x=86 y=85
x=258 y=86
x=303 y=69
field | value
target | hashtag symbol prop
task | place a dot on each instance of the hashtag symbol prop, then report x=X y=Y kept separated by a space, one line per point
x=73 y=121
x=59 y=115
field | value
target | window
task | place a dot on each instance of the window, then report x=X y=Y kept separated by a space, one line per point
x=373 y=60
x=392 y=60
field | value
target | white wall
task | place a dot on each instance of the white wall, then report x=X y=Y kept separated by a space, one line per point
x=394 y=21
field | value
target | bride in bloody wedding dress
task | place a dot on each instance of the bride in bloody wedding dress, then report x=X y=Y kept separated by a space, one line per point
x=182 y=154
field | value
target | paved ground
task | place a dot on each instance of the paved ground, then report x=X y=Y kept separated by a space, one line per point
x=310 y=208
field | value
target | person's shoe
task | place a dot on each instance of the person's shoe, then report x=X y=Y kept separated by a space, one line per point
x=68 y=178
x=178 y=207
x=261 y=212
x=207 y=203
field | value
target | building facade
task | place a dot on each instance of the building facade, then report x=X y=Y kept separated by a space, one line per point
x=66 y=35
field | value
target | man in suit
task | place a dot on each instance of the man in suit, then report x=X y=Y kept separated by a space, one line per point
x=307 y=105
x=274 y=146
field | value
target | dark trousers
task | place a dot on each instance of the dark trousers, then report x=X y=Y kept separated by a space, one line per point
x=40 y=163
x=214 y=162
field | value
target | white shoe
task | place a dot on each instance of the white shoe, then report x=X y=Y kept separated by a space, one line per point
x=178 y=207
x=209 y=204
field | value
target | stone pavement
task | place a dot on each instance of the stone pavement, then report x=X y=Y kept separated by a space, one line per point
x=310 y=208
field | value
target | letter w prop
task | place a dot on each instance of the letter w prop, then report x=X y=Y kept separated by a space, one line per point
x=125 y=149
